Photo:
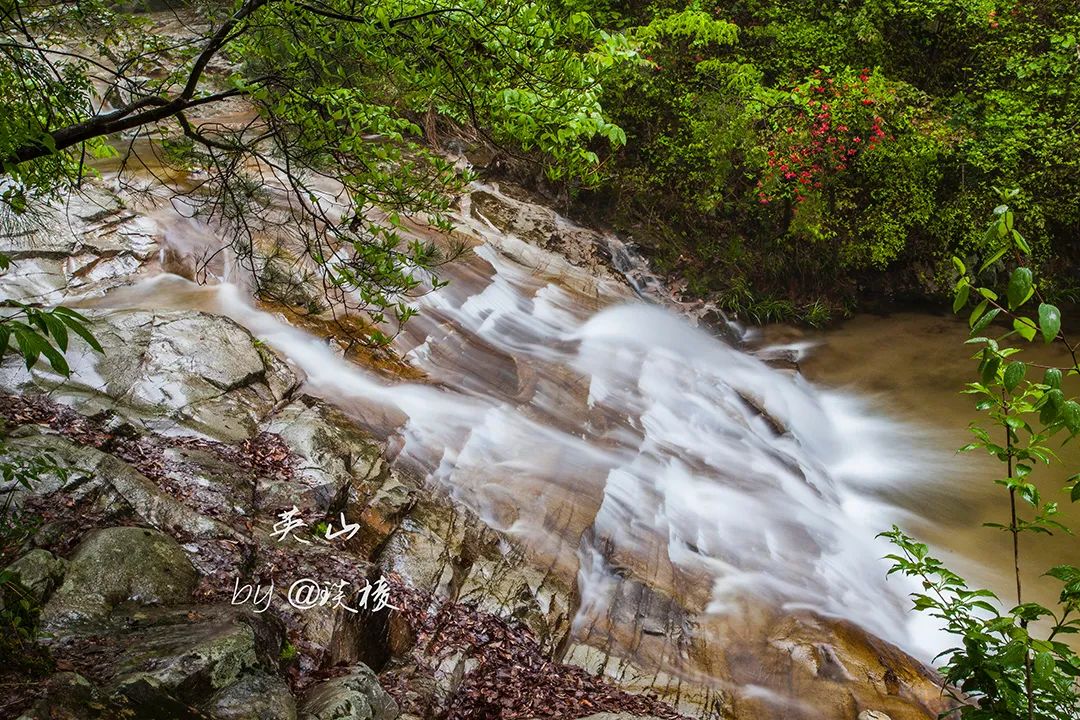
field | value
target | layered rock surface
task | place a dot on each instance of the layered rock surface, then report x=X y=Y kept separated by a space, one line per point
x=170 y=507
x=189 y=438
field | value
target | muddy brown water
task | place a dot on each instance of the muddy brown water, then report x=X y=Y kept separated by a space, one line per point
x=913 y=366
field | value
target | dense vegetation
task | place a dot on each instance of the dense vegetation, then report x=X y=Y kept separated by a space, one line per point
x=839 y=151
x=789 y=158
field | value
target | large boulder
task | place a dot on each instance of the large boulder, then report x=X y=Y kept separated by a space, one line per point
x=184 y=661
x=188 y=661
x=117 y=565
x=356 y=696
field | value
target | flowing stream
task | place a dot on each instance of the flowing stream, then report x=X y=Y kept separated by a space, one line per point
x=575 y=411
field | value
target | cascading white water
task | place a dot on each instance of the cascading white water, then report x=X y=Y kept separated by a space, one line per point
x=603 y=430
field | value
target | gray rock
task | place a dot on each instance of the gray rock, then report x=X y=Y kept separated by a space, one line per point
x=334 y=455
x=186 y=662
x=111 y=483
x=169 y=370
x=254 y=697
x=40 y=572
x=164 y=662
x=121 y=564
x=356 y=696
x=84 y=247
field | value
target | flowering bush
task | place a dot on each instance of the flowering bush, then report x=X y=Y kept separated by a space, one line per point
x=828 y=123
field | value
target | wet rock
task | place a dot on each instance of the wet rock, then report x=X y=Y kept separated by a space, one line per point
x=176 y=662
x=185 y=662
x=255 y=696
x=873 y=715
x=541 y=237
x=841 y=670
x=168 y=369
x=428 y=548
x=337 y=462
x=356 y=696
x=85 y=247
x=532 y=223
x=503 y=582
x=119 y=564
x=111 y=485
x=67 y=695
x=40 y=572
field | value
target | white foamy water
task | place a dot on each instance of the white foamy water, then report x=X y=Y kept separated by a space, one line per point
x=589 y=423
x=585 y=415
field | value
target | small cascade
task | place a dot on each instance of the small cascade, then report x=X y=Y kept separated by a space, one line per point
x=616 y=441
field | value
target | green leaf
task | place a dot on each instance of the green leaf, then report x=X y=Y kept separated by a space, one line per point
x=989 y=367
x=1021 y=243
x=1044 y=665
x=1051 y=408
x=57 y=329
x=985 y=320
x=993 y=259
x=56 y=359
x=959 y=265
x=1014 y=373
x=1070 y=416
x=1049 y=321
x=1052 y=378
x=1025 y=327
x=961 y=298
x=29 y=345
x=976 y=313
x=1021 y=287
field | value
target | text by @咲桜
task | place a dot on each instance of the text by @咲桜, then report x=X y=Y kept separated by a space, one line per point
x=307 y=593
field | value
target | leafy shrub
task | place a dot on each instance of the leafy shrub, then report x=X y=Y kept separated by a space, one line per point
x=1004 y=668
x=964 y=96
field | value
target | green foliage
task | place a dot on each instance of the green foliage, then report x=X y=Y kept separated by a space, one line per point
x=1004 y=669
x=35 y=332
x=968 y=95
x=988 y=673
x=289 y=652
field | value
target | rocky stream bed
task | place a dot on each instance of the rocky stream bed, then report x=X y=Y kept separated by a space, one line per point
x=186 y=441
